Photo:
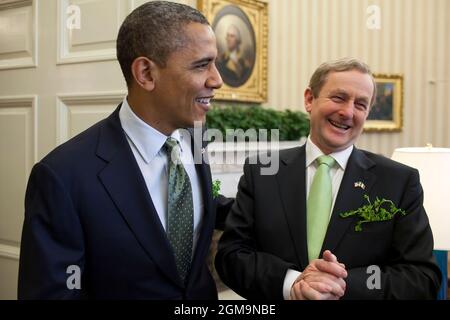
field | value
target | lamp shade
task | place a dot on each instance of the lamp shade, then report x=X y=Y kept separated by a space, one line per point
x=434 y=168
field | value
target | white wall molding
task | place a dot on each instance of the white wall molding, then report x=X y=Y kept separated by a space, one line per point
x=25 y=101
x=92 y=103
x=10 y=252
x=96 y=39
x=18 y=132
x=18 y=41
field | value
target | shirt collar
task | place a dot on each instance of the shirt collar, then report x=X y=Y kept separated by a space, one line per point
x=147 y=140
x=313 y=152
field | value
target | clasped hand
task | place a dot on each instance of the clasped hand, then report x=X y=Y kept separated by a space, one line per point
x=322 y=279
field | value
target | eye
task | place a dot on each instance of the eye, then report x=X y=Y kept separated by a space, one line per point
x=361 y=106
x=202 y=65
x=337 y=99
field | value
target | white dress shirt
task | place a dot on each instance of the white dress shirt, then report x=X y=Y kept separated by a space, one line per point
x=146 y=143
x=336 y=174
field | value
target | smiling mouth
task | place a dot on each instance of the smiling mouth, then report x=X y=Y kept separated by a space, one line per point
x=204 y=100
x=339 y=125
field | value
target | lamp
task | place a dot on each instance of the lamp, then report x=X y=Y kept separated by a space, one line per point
x=434 y=169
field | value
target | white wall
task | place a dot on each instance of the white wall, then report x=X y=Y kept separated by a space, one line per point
x=414 y=40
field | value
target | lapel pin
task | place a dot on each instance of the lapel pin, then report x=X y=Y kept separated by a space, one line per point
x=360 y=184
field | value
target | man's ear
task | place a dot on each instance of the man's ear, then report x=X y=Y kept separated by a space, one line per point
x=309 y=97
x=144 y=71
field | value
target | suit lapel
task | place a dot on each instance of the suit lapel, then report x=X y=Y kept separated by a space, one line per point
x=124 y=182
x=349 y=197
x=291 y=182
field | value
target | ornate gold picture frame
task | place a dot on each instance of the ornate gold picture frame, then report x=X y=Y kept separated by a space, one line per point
x=241 y=32
x=387 y=112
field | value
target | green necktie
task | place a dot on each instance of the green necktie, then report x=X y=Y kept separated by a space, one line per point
x=319 y=206
x=180 y=212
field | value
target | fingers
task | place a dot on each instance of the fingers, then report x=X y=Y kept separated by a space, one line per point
x=302 y=290
x=328 y=256
x=326 y=283
x=309 y=293
x=320 y=287
x=331 y=267
x=296 y=292
x=327 y=272
x=321 y=279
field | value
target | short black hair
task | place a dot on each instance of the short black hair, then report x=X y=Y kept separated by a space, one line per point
x=154 y=30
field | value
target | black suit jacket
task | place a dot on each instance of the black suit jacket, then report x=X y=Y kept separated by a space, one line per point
x=87 y=205
x=265 y=232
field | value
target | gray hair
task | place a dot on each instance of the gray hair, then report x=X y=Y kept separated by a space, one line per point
x=235 y=31
x=154 y=30
x=346 y=64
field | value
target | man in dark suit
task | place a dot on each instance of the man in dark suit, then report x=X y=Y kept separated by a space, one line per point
x=275 y=244
x=123 y=211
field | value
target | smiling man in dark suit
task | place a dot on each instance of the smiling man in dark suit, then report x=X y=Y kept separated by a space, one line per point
x=285 y=237
x=123 y=206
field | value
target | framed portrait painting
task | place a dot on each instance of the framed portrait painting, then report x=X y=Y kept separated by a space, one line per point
x=387 y=112
x=240 y=27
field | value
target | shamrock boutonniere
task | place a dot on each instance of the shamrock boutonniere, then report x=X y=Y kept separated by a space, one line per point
x=380 y=210
x=215 y=188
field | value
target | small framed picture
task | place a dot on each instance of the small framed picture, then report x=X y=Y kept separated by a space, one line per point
x=240 y=27
x=387 y=112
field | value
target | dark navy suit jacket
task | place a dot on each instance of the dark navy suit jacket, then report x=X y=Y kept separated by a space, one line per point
x=87 y=205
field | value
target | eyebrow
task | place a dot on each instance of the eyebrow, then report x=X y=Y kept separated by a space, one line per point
x=338 y=91
x=202 y=60
x=344 y=93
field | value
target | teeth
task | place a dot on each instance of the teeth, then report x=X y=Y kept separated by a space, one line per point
x=341 y=126
x=203 y=100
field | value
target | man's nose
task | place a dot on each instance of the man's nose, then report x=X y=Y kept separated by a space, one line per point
x=347 y=109
x=214 y=80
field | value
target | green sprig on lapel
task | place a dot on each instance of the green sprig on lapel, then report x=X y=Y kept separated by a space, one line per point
x=380 y=210
x=215 y=188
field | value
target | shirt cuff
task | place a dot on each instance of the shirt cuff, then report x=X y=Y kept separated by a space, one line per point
x=289 y=279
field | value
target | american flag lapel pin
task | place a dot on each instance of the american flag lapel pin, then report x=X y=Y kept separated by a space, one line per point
x=360 y=184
